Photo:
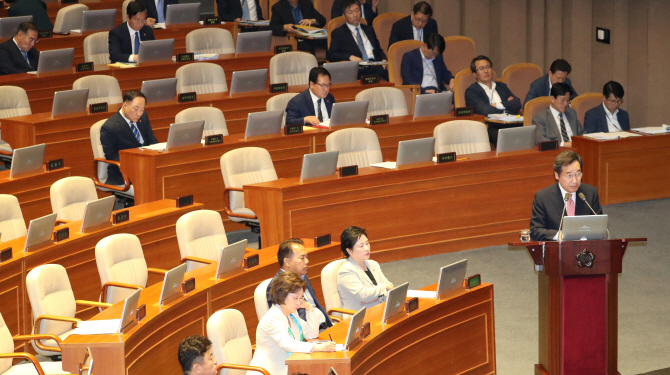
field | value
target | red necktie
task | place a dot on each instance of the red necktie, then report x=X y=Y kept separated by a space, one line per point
x=571 y=207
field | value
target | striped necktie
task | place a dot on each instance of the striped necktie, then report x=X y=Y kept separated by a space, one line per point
x=361 y=45
x=564 y=132
x=319 y=114
x=136 y=132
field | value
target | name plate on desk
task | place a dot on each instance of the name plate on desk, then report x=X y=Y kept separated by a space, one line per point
x=184 y=201
x=446 y=157
x=464 y=111
x=547 y=146
x=379 y=119
x=283 y=48
x=185 y=57
x=188 y=285
x=141 y=313
x=370 y=80
x=278 y=87
x=187 y=97
x=97 y=108
x=211 y=21
x=84 y=67
x=54 y=164
x=293 y=129
x=61 y=234
x=41 y=34
x=365 y=331
x=251 y=261
x=215 y=139
x=473 y=281
x=411 y=305
x=322 y=240
x=6 y=254
x=120 y=217
x=63 y=2
x=350 y=170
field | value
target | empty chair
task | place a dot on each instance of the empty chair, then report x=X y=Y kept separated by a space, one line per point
x=518 y=77
x=533 y=107
x=279 y=102
x=396 y=51
x=201 y=236
x=261 y=298
x=331 y=296
x=124 y=10
x=13 y=102
x=210 y=40
x=101 y=89
x=201 y=78
x=215 y=121
x=12 y=224
x=461 y=137
x=384 y=101
x=458 y=52
x=69 y=196
x=100 y=167
x=69 y=18
x=383 y=24
x=356 y=146
x=292 y=68
x=96 y=48
x=584 y=102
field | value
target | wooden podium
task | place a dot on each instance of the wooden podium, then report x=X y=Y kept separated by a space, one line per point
x=578 y=307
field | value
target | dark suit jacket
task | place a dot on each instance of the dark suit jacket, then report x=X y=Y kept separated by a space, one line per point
x=476 y=97
x=152 y=12
x=35 y=8
x=343 y=44
x=548 y=207
x=120 y=45
x=402 y=30
x=115 y=135
x=411 y=69
x=540 y=87
x=336 y=11
x=310 y=288
x=301 y=106
x=595 y=120
x=230 y=10
x=12 y=61
x=547 y=129
x=282 y=15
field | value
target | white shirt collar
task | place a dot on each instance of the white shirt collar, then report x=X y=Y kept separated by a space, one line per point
x=424 y=56
x=486 y=88
x=572 y=195
x=554 y=112
x=610 y=113
x=131 y=30
x=124 y=117
x=314 y=97
x=353 y=28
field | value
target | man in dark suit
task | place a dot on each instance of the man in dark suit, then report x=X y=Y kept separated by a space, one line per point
x=35 y=8
x=124 y=44
x=608 y=117
x=156 y=10
x=18 y=54
x=368 y=10
x=292 y=257
x=558 y=73
x=127 y=128
x=418 y=25
x=548 y=203
x=558 y=122
x=354 y=41
x=238 y=10
x=312 y=106
x=425 y=66
x=286 y=13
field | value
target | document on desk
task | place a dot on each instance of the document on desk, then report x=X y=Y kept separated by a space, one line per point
x=372 y=63
x=159 y=25
x=97 y=327
x=506 y=118
x=421 y=294
x=205 y=56
x=385 y=164
x=611 y=135
x=123 y=65
x=254 y=23
x=160 y=147
x=665 y=129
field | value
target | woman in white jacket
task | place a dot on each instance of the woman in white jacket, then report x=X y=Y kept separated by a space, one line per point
x=281 y=331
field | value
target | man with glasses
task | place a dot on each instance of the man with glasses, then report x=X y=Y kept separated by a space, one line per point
x=124 y=40
x=425 y=66
x=18 y=54
x=417 y=26
x=608 y=117
x=548 y=203
x=558 y=122
x=312 y=106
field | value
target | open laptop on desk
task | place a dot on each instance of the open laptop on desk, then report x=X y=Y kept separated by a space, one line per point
x=97 y=212
x=515 y=139
x=27 y=159
x=39 y=231
x=178 y=14
x=98 y=20
x=55 y=60
x=433 y=104
x=342 y=71
x=129 y=308
x=319 y=164
x=181 y=135
x=249 y=81
x=395 y=302
x=411 y=152
x=155 y=50
x=253 y=42
x=451 y=278
x=70 y=101
x=232 y=257
x=160 y=90
x=8 y=25
x=355 y=326
x=584 y=227
x=347 y=113
x=172 y=283
x=263 y=123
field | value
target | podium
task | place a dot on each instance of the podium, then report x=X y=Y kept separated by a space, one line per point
x=578 y=305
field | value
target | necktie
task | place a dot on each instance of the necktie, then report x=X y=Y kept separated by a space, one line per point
x=137 y=43
x=245 y=10
x=361 y=46
x=136 y=132
x=570 y=207
x=159 y=9
x=319 y=115
x=564 y=132
x=25 y=56
x=421 y=35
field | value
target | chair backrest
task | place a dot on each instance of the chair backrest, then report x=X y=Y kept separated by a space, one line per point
x=383 y=24
x=292 y=68
x=69 y=18
x=6 y=345
x=279 y=102
x=518 y=77
x=356 y=146
x=13 y=102
x=261 y=299
x=533 y=107
x=324 y=7
x=201 y=234
x=12 y=224
x=69 y=196
x=96 y=47
x=124 y=10
x=462 y=137
x=584 y=102
x=396 y=51
x=244 y=166
x=337 y=22
x=119 y=258
x=458 y=52
x=98 y=153
x=210 y=40
x=50 y=293
x=201 y=78
x=215 y=121
x=384 y=101
x=331 y=296
x=227 y=331
x=101 y=88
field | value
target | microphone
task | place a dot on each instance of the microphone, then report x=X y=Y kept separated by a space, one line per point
x=560 y=226
x=582 y=197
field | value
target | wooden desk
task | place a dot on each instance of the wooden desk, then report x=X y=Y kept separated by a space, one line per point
x=452 y=336
x=626 y=170
x=54 y=7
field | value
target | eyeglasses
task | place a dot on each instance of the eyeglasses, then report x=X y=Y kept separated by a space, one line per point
x=570 y=176
x=325 y=85
x=483 y=68
x=615 y=101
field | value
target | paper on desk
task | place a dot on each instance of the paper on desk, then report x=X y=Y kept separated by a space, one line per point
x=421 y=293
x=610 y=136
x=371 y=63
x=123 y=65
x=325 y=124
x=506 y=118
x=254 y=23
x=339 y=347
x=159 y=25
x=385 y=164
x=156 y=147
x=76 y=31
x=97 y=327
x=205 y=56
x=654 y=129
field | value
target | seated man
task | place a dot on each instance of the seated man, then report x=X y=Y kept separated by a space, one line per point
x=286 y=13
x=156 y=10
x=238 y=10
x=124 y=40
x=368 y=10
x=418 y=25
x=292 y=257
x=549 y=202
x=608 y=117
x=18 y=54
x=35 y=8
x=559 y=121
x=487 y=96
x=312 y=106
x=127 y=128
x=558 y=72
x=425 y=66
x=195 y=356
x=354 y=41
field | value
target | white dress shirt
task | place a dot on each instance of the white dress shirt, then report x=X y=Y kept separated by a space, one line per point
x=131 y=128
x=418 y=33
x=132 y=32
x=310 y=300
x=253 y=16
x=368 y=46
x=573 y=198
x=612 y=121
x=494 y=98
x=429 y=75
x=315 y=100
x=568 y=129
x=549 y=94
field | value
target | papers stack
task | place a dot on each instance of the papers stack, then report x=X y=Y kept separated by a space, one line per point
x=205 y=56
x=159 y=25
x=664 y=129
x=505 y=117
x=610 y=136
x=123 y=65
x=254 y=23
x=311 y=32
x=372 y=63
x=160 y=147
x=97 y=327
x=385 y=164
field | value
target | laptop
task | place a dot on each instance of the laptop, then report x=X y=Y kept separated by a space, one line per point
x=206 y=7
x=349 y=113
x=172 y=283
x=395 y=302
x=263 y=123
x=39 y=231
x=319 y=164
x=97 y=212
x=185 y=134
x=355 y=326
x=27 y=159
x=451 y=278
x=232 y=257
x=155 y=50
x=342 y=72
x=415 y=151
x=8 y=25
x=178 y=14
x=55 y=60
x=584 y=227
x=98 y=20
x=70 y=101
x=160 y=90
x=128 y=312
x=253 y=42
x=515 y=139
x=433 y=104
x=249 y=81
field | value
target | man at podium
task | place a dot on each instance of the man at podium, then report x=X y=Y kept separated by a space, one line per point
x=549 y=203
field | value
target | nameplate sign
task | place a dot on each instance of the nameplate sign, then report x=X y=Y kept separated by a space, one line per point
x=278 y=87
x=473 y=281
x=97 y=108
x=84 y=67
x=6 y=254
x=211 y=21
x=214 y=139
x=365 y=331
x=185 y=57
x=187 y=97
x=411 y=305
x=293 y=129
x=322 y=240
x=63 y=2
x=547 y=146
x=251 y=261
x=370 y=80
x=188 y=285
x=446 y=157
x=61 y=234
x=379 y=119
x=283 y=48
x=464 y=111
x=41 y=34
x=141 y=313
x=184 y=201
x=54 y=164
x=350 y=170
x=120 y=217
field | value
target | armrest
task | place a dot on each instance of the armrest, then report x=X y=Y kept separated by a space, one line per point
x=6 y=153
x=226 y=202
x=36 y=329
x=196 y=259
x=241 y=367
x=409 y=87
x=93 y=304
x=103 y=292
x=42 y=336
x=342 y=311
x=27 y=356
x=61 y=222
x=157 y=271
x=126 y=182
x=335 y=318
